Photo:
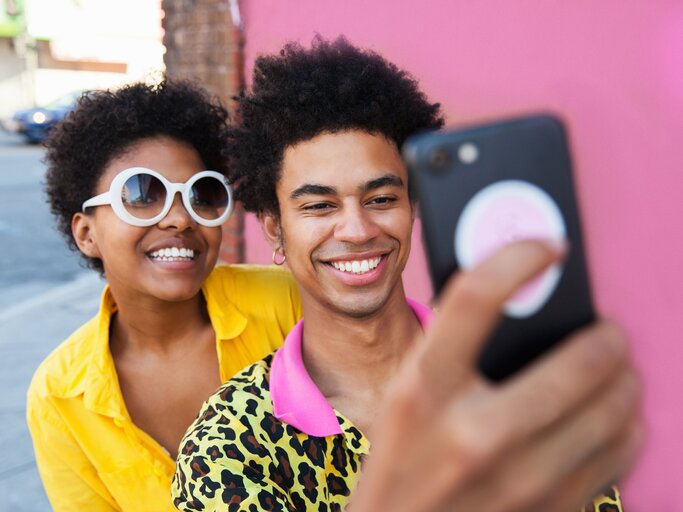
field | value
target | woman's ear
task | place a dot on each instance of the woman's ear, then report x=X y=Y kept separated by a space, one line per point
x=83 y=231
x=272 y=229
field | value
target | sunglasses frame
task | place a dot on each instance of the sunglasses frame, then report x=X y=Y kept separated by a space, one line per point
x=113 y=197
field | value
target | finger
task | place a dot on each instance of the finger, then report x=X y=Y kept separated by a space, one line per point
x=548 y=390
x=543 y=466
x=606 y=467
x=469 y=310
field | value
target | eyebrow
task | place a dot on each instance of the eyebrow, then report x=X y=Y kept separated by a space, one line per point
x=388 y=180
x=312 y=189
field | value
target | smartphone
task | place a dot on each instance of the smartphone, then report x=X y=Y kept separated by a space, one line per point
x=485 y=186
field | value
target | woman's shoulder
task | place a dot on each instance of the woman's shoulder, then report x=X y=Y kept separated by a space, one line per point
x=250 y=273
x=252 y=284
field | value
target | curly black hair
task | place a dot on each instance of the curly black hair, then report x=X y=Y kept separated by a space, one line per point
x=105 y=124
x=300 y=93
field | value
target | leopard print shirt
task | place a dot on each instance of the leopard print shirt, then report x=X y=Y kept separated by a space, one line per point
x=237 y=456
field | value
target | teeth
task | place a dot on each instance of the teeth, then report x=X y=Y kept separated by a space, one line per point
x=173 y=254
x=357 y=266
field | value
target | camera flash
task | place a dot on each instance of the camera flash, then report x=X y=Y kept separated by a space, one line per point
x=468 y=153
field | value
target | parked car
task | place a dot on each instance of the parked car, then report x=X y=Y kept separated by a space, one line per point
x=35 y=123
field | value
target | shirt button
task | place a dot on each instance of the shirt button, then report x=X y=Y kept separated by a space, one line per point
x=118 y=422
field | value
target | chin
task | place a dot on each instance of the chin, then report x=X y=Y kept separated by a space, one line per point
x=360 y=307
x=177 y=294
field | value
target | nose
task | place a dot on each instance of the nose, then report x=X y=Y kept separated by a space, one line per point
x=177 y=217
x=356 y=225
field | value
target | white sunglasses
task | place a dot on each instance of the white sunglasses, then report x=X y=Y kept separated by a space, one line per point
x=142 y=197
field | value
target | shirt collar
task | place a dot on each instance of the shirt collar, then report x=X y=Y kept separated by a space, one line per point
x=296 y=399
x=101 y=391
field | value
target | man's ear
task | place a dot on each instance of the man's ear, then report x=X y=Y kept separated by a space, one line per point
x=414 y=210
x=272 y=229
x=83 y=231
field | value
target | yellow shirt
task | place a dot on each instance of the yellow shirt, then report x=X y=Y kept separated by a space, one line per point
x=90 y=455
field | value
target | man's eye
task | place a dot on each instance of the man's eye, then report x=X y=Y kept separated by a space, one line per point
x=317 y=207
x=382 y=200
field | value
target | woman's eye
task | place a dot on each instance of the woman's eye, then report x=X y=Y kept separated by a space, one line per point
x=140 y=201
x=203 y=205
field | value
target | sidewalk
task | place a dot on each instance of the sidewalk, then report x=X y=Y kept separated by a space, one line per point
x=29 y=330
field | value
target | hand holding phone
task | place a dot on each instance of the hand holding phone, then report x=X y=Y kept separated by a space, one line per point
x=483 y=187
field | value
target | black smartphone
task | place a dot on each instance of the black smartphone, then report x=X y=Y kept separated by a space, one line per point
x=484 y=186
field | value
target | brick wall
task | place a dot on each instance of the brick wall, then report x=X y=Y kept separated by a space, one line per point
x=202 y=43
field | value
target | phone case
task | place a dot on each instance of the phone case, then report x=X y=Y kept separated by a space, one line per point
x=482 y=187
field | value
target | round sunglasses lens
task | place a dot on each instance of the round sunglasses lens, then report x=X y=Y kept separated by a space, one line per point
x=209 y=198
x=143 y=196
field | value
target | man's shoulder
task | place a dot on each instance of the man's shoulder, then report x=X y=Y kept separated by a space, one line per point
x=246 y=394
x=236 y=412
x=60 y=373
x=251 y=383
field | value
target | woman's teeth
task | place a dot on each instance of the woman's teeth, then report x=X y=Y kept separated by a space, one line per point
x=173 y=254
x=357 y=266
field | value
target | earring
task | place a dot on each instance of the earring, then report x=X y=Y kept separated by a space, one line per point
x=284 y=256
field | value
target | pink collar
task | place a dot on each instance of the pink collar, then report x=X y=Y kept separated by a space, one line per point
x=296 y=398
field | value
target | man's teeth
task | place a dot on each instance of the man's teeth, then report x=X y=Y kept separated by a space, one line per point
x=173 y=254
x=357 y=266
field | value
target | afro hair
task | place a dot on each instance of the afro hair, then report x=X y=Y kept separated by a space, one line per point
x=300 y=93
x=105 y=124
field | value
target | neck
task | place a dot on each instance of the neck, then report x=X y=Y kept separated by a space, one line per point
x=353 y=358
x=147 y=325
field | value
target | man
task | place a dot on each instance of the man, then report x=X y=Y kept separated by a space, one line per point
x=317 y=157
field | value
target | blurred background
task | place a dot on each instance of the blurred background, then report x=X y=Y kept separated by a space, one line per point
x=613 y=70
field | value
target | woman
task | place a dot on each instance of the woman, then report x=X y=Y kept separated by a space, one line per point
x=135 y=179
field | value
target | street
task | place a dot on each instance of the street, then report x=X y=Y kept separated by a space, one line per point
x=44 y=295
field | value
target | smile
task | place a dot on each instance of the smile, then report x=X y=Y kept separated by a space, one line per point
x=172 y=254
x=357 y=266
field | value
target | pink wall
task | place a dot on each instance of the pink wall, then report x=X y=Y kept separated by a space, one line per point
x=614 y=71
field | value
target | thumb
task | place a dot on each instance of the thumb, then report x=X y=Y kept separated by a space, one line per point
x=469 y=310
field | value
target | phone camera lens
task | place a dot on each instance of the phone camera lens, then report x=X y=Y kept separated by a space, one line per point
x=439 y=158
